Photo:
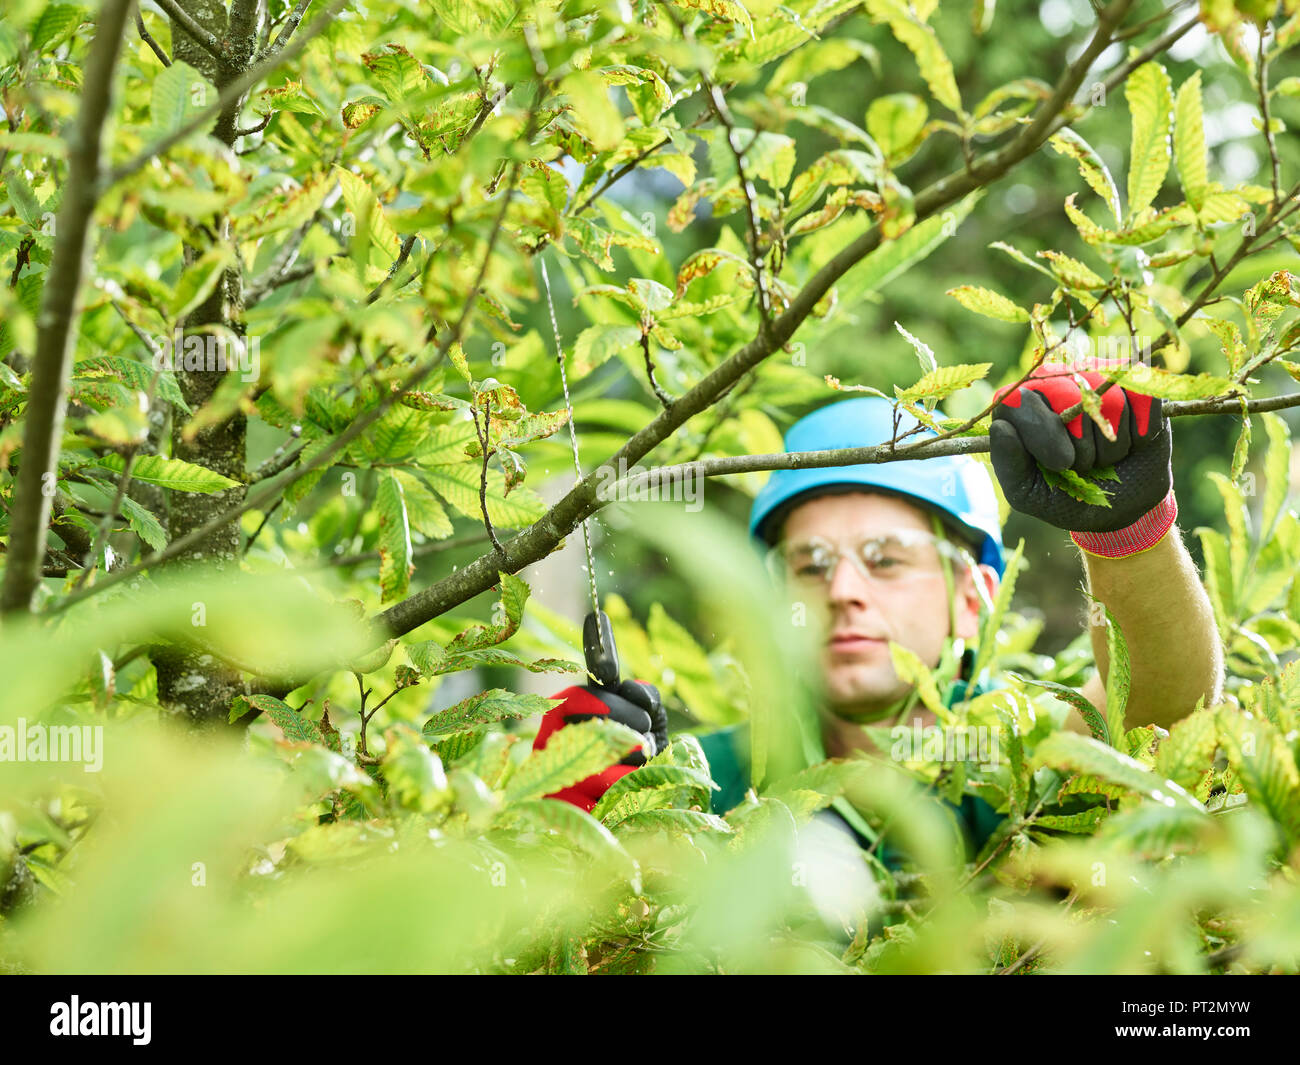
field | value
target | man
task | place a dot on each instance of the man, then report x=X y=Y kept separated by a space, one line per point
x=907 y=551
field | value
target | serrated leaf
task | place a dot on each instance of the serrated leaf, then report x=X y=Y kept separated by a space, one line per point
x=943 y=382
x=178 y=94
x=1091 y=166
x=396 y=562
x=1150 y=99
x=487 y=707
x=923 y=43
x=296 y=728
x=1095 y=720
x=176 y=474
x=1082 y=754
x=988 y=303
x=573 y=753
x=1259 y=754
x=143 y=523
x=1118 y=676
x=1188 y=750
x=1189 y=142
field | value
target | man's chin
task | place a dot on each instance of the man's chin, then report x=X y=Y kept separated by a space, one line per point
x=862 y=697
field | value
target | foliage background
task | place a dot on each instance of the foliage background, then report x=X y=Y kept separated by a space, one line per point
x=385 y=791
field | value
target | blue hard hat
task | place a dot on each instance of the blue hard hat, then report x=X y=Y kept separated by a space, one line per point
x=957 y=487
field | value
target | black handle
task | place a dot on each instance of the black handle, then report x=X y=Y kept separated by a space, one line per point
x=598 y=647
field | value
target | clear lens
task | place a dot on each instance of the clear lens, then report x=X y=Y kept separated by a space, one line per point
x=897 y=557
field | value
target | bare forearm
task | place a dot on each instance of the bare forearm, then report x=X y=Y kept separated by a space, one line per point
x=1167 y=622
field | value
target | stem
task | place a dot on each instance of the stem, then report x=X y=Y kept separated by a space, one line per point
x=52 y=365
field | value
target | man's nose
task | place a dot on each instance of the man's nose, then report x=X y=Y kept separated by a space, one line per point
x=848 y=586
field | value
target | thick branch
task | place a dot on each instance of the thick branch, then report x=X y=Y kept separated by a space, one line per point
x=186 y=22
x=52 y=365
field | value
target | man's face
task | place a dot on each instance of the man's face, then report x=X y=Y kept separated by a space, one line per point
x=861 y=615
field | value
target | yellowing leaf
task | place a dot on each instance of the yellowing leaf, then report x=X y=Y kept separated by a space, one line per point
x=988 y=303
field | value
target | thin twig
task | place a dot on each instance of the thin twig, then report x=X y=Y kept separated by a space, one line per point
x=295 y=17
x=402 y=255
x=147 y=37
x=664 y=398
x=487 y=454
x=1261 y=79
x=248 y=131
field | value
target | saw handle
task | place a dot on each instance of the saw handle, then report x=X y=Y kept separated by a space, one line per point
x=598 y=647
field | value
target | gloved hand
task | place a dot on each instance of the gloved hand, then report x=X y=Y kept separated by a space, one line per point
x=1026 y=427
x=633 y=703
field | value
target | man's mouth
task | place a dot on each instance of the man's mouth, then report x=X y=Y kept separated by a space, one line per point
x=854 y=641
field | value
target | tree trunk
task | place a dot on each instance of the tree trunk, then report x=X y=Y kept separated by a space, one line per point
x=191 y=684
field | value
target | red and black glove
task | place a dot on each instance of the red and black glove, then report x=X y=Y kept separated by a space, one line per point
x=632 y=703
x=1026 y=426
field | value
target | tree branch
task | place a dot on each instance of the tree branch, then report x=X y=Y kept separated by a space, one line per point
x=295 y=17
x=732 y=465
x=187 y=23
x=147 y=37
x=47 y=400
x=1261 y=79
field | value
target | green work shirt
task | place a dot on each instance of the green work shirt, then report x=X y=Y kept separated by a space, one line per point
x=728 y=752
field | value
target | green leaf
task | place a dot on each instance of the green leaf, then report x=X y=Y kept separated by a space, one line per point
x=1095 y=721
x=573 y=753
x=296 y=728
x=1188 y=750
x=497 y=704
x=1082 y=754
x=1150 y=102
x=1189 y=142
x=653 y=778
x=197 y=282
x=143 y=523
x=396 y=562
x=54 y=26
x=1277 y=467
x=921 y=40
x=988 y=303
x=941 y=383
x=992 y=624
x=176 y=474
x=674 y=822
x=897 y=256
x=915 y=673
x=576 y=828
x=598 y=342
x=179 y=93
x=896 y=122
x=1076 y=486
x=1094 y=170
x=1264 y=764
x=459 y=486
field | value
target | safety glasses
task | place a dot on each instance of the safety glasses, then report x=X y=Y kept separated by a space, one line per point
x=897 y=557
